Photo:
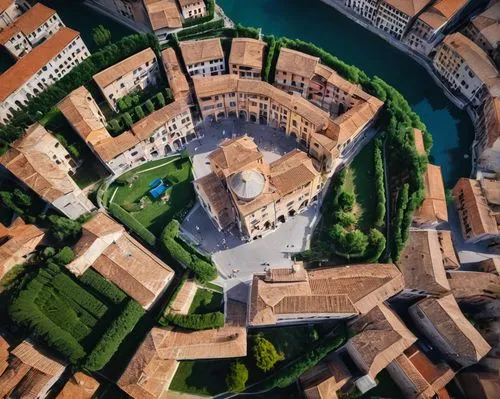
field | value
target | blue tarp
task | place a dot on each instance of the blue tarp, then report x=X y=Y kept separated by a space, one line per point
x=155 y=183
x=157 y=191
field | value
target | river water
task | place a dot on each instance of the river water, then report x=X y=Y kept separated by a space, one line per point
x=314 y=21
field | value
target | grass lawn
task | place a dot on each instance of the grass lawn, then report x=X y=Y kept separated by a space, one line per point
x=359 y=181
x=206 y=301
x=157 y=213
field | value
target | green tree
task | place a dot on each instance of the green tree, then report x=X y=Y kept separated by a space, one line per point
x=63 y=229
x=160 y=99
x=345 y=219
x=149 y=106
x=139 y=112
x=265 y=354
x=346 y=201
x=64 y=256
x=101 y=36
x=127 y=120
x=22 y=199
x=237 y=377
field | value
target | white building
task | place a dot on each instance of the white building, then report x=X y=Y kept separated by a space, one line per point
x=192 y=9
x=396 y=16
x=164 y=131
x=466 y=68
x=164 y=17
x=366 y=8
x=30 y=29
x=427 y=30
x=39 y=69
x=134 y=73
x=203 y=57
x=9 y=11
x=41 y=163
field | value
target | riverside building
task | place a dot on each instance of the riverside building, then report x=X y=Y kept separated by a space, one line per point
x=192 y=9
x=203 y=57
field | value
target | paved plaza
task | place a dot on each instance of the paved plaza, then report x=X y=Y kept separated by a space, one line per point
x=237 y=260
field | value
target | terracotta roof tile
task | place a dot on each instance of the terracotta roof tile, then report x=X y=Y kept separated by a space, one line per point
x=409 y=7
x=163 y=14
x=176 y=78
x=22 y=71
x=146 y=126
x=295 y=62
x=441 y=12
x=434 y=208
x=79 y=386
x=469 y=285
x=196 y=51
x=247 y=52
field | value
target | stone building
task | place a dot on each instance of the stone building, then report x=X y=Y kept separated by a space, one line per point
x=41 y=163
x=203 y=57
x=10 y=10
x=326 y=139
x=484 y=30
x=27 y=371
x=488 y=136
x=255 y=196
x=176 y=79
x=158 y=134
x=246 y=58
x=137 y=72
x=112 y=252
x=477 y=203
x=192 y=9
x=17 y=243
x=39 y=69
x=296 y=296
x=445 y=326
x=38 y=24
x=427 y=30
x=466 y=68
x=365 y=8
x=164 y=17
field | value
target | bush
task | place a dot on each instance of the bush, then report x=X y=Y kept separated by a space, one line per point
x=63 y=230
x=127 y=120
x=132 y=223
x=139 y=113
x=64 y=256
x=113 y=337
x=160 y=99
x=398 y=242
x=196 y=321
x=243 y=31
x=268 y=61
x=379 y=186
x=103 y=287
x=237 y=377
x=345 y=219
x=149 y=107
x=101 y=36
x=186 y=255
x=265 y=354
x=377 y=244
x=206 y=27
x=346 y=201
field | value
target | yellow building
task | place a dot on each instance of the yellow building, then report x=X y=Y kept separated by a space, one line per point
x=247 y=192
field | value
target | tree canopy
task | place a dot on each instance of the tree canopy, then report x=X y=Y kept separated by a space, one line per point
x=237 y=377
x=265 y=354
x=101 y=36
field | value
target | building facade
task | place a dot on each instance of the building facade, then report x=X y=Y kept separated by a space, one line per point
x=130 y=11
x=203 y=57
x=10 y=10
x=134 y=73
x=246 y=58
x=466 y=68
x=39 y=69
x=192 y=9
x=488 y=136
x=41 y=163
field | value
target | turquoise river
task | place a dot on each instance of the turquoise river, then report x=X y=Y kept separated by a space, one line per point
x=314 y=21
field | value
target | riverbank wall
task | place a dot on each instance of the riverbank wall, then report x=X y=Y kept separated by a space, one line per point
x=426 y=63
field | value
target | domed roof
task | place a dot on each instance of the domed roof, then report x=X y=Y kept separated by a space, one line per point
x=248 y=184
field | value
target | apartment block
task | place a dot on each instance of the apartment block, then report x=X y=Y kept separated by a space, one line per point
x=478 y=207
x=40 y=68
x=192 y=9
x=164 y=17
x=134 y=73
x=10 y=10
x=484 y=30
x=160 y=133
x=246 y=58
x=428 y=27
x=42 y=164
x=396 y=16
x=466 y=68
x=366 y=8
x=203 y=57
x=30 y=29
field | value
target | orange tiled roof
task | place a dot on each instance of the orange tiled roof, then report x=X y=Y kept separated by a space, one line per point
x=79 y=386
x=441 y=12
x=196 y=51
x=247 y=52
x=21 y=72
x=163 y=14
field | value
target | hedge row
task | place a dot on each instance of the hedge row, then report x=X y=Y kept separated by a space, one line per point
x=397 y=234
x=78 y=76
x=206 y=18
x=289 y=374
x=206 y=27
x=380 y=199
x=99 y=284
x=203 y=270
x=114 y=335
x=25 y=313
x=243 y=31
x=132 y=223
x=196 y=321
x=268 y=61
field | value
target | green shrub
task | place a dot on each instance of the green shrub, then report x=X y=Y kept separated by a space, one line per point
x=131 y=206
x=379 y=186
x=346 y=201
x=139 y=113
x=64 y=230
x=377 y=245
x=127 y=120
x=345 y=219
x=265 y=354
x=206 y=27
x=196 y=321
x=149 y=107
x=397 y=234
x=132 y=223
x=64 y=256
x=268 y=61
x=103 y=287
x=243 y=31
x=160 y=100
x=113 y=337
x=101 y=36
x=237 y=377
